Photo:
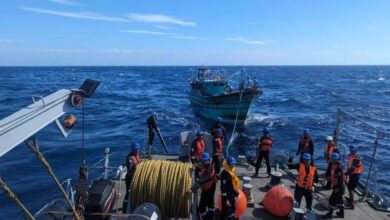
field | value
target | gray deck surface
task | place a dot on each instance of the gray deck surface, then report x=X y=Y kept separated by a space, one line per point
x=362 y=209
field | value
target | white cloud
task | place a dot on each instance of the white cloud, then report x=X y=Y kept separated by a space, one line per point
x=79 y=15
x=189 y=37
x=163 y=27
x=246 y=41
x=6 y=41
x=64 y=2
x=146 y=32
x=158 y=19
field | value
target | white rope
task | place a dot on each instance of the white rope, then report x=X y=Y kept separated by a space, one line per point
x=235 y=124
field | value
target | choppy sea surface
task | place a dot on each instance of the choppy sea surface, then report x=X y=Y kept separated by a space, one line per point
x=294 y=98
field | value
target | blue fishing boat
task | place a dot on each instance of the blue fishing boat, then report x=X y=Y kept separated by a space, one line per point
x=213 y=96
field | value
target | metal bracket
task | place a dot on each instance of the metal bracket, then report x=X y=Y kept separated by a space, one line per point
x=64 y=132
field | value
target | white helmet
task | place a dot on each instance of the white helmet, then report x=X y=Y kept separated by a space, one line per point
x=329 y=138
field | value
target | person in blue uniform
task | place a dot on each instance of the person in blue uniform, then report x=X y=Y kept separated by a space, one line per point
x=337 y=178
x=263 y=150
x=305 y=144
x=230 y=184
x=132 y=160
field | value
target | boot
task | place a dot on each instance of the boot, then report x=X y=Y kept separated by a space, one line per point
x=340 y=213
x=211 y=214
x=329 y=214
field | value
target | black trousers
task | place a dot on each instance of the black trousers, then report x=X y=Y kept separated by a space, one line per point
x=265 y=154
x=126 y=199
x=299 y=193
x=217 y=164
x=228 y=211
x=336 y=198
x=207 y=200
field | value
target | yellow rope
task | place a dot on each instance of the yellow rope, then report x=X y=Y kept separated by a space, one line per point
x=166 y=184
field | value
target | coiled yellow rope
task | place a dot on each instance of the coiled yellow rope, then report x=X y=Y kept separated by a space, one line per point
x=166 y=184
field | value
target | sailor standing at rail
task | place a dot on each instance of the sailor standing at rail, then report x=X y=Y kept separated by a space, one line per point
x=307 y=178
x=305 y=145
x=338 y=183
x=230 y=183
x=355 y=168
x=265 y=146
x=329 y=149
x=207 y=182
x=132 y=160
x=217 y=150
x=197 y=148
x=220 y=126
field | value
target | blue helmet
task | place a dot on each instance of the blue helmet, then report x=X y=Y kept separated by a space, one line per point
x=306 y=156
x=135 y=146
x=219 y=119
x=231 y=160
x=199 y=134
x=353 y=148
x=218 y=131
x=205 y=156
x=305 y=131
x=335 y=156
x=265 y=130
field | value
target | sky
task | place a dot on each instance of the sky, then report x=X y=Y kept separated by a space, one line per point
x=194 y=32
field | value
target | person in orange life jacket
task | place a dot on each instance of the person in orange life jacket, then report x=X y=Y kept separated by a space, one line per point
x=217 y=150
x=307 y=178
x=220 y=126
x=330 y=148
x=229 y=189
x=132 y=160
x=207 y=181
x=263 y=150
x=305 y=144
x=338 y=183
x=197 y=148
x=355 y=168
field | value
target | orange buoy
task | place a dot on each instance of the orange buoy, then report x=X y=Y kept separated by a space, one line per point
x=240 y=203
x=278 y=201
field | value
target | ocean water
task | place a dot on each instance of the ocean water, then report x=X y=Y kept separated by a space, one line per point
x=294 y=98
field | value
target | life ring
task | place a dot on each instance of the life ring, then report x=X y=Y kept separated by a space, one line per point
x=76 y=99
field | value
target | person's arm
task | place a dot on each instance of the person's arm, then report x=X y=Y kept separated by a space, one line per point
x=316 y=176
x=311 y=147
x=207 y=176
x=293 y=166
x=327 y=173
x=299 y=148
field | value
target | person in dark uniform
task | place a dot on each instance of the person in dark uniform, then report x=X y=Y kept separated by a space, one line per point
x=217 y=150
x=265 y=146
x=197 y=148
x=338 y=183
x=307 y=178
x=220 y=126
x=207 y=182
x=305 y=145
x=230 y=184
x=132 y=160
x=355 y=168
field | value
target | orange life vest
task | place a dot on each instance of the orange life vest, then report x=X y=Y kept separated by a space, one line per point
x=218 y=144
x=333 y=177
x=304 y=144
x=359 y=168
x=135 y=159
x=329 y=150
x=266 y=143
x=211 y=181
x=306 y=180
x=198 y=148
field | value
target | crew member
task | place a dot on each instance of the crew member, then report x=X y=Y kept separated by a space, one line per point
x=338 y=184
x=330 y=148
x=263 y=150
x=197 y=148
x=207 y=182
x=305 y=144
x=220 y=126
x=217 y=150
x=355 y=168
x=230 y=184
x=307 y=178
x=132 y=160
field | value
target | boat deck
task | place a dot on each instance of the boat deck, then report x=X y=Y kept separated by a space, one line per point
x=256 y=211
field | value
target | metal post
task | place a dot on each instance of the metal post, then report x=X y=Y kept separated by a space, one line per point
x=13 y=197
x=106 y=162
x=369 y=171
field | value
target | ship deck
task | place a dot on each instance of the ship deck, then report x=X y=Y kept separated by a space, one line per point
x=256 y=211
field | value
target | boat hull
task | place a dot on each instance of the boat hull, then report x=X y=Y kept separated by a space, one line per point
x=226 y=106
